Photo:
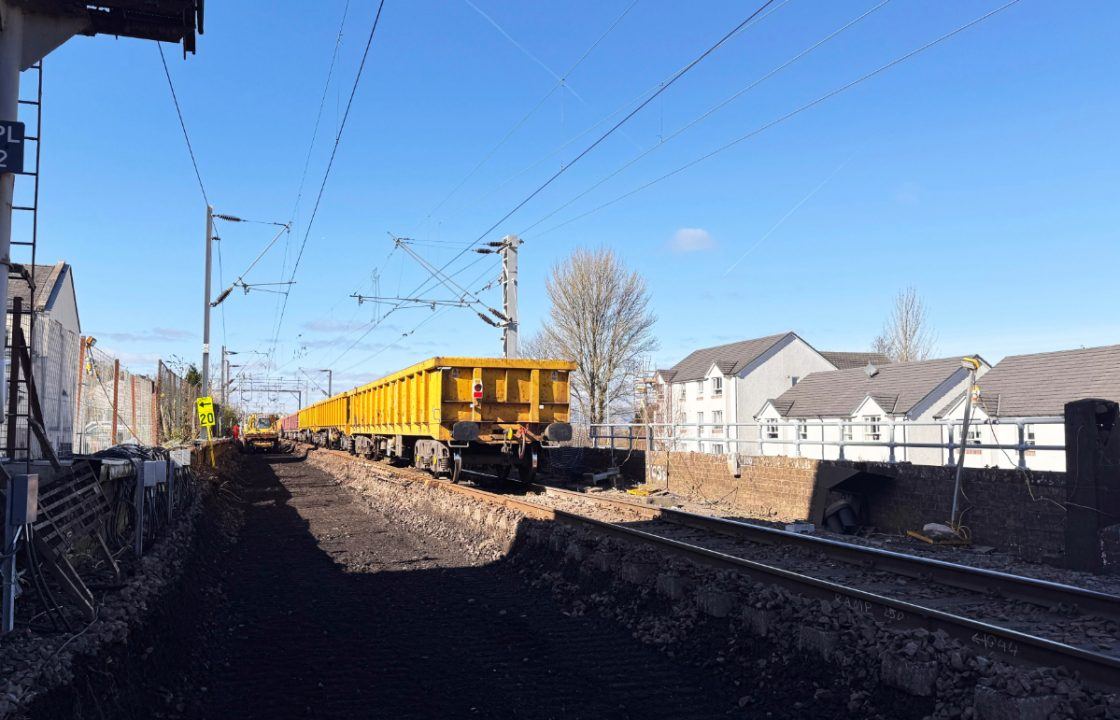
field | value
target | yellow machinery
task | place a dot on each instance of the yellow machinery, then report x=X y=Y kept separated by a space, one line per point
x=259 y=431
x=445 y=412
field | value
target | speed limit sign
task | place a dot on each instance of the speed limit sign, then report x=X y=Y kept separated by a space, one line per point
x=205 y=407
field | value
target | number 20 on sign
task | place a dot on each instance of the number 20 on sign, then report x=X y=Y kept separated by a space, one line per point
x=205 y=407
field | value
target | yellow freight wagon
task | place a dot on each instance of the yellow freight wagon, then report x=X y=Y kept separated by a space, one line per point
x=445 y=412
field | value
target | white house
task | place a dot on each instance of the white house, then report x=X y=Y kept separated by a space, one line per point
x=54 y=352
x=1022 y=387
x=722 y=386
x=864 y=407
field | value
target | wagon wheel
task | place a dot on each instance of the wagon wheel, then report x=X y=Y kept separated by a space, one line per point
x=527 y=468
x=456 y=466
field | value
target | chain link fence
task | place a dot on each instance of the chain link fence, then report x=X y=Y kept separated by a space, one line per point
x=54 y=354
x=176 y=415
x=115 y=405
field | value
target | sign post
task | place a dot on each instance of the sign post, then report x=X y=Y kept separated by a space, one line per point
x=205 y=407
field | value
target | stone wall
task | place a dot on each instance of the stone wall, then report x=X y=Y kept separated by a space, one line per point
x=768 y=487
x=1009 y=509
x=1004 y=508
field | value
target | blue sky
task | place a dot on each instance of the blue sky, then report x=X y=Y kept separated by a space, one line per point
x=984 y=172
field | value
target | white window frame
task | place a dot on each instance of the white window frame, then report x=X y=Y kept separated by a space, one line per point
x=770 y=429
x=717 y=386
x=873 y=431
x=974 y=437
x=699 y=388
x=846 y=434
x=700 y=424
x=802 y=430
x=1028 y=435
x=717 y=448
x=717 y=419
x=682 y=393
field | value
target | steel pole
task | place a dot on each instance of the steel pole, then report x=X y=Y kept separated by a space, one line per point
x=963 y=442
x=330 y=383
x=206 y=309
x=510 y=243
x=11 y=52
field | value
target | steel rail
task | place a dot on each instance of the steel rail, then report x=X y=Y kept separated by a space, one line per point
x=966 y=577
x=1096 y=669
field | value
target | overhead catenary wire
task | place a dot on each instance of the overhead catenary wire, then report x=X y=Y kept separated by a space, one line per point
x=610 y=131
x=706 y=114
x=664 y=86
x=182 y=123
x=330 y=165
x=590 y=128
x=560 y=82
x=783 y=118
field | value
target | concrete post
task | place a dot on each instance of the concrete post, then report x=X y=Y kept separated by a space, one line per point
x=510 y=243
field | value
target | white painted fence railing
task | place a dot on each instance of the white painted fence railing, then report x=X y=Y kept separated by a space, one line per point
x=754 y=438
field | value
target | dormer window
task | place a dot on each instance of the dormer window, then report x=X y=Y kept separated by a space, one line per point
x=717 y=386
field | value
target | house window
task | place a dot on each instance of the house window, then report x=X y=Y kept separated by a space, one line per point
x=717 y=418
x=717 y=386
x=974 y=435
x=681 y=392
x=699 y=388
x=1028 y=435
x=802 y=430
x=771 y=429
x=793 y=380
x=874 y=430
x=699 y=424
x=717 y=448
x=847 y=432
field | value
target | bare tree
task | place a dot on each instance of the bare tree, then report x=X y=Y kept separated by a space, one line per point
x=600 y=318
x=907 y=335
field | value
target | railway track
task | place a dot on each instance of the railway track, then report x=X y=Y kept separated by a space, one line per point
x=969 y=604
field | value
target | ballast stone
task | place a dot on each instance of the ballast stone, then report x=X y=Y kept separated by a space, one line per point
x=991 y=704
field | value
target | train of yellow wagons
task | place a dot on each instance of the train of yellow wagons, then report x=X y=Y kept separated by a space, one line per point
x=447 y=413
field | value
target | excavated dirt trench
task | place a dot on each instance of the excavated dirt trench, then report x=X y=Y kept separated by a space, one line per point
x=303 y=602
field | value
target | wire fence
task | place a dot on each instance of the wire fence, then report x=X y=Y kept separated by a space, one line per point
x=176 y=416
x=115 y=405
x=54 y=362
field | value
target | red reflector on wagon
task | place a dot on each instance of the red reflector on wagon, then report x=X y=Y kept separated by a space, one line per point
x=478 y=391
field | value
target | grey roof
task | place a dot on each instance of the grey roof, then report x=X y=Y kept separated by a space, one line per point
x=1041 y=384
x=46 y=279
x=730 y=358
x=897 y=388
x=666 y=375
x=846 y=360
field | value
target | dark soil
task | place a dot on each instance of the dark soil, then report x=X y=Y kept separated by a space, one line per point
x=324 y=609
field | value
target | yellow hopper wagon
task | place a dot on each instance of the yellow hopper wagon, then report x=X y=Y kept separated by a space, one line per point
x=447 y=413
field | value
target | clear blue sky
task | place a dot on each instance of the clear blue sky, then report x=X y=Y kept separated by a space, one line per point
x=984 y=172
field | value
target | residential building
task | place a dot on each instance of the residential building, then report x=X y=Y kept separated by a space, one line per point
x=722 y=386
x=847 y=360
x=865 y=406
x=54 y=352
x=1024 y=387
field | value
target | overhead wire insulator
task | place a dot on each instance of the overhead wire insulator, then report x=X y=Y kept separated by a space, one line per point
x=488 y=321
x=498 y=314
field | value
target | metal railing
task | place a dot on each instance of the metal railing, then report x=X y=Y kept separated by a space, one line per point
x=886 y=434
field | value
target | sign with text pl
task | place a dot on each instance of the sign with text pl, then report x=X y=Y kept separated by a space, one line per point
x=11 y=146
x=205 y=406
